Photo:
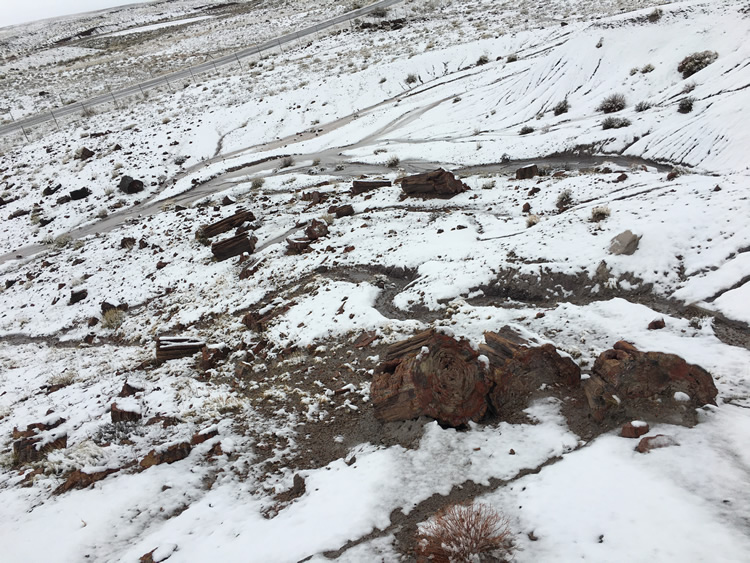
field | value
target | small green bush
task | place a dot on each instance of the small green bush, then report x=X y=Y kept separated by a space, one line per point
x=696 y=62
x=615 y=123
x=612 y=103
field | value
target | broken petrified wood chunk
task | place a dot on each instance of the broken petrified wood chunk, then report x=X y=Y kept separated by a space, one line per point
x=173 y=453
x=78 y=479
x=226 y=224
x=233 y=246
x=35 y=448
x=434 y=375
x=173 y=347
x=316 y=229
x=519 y=372
x=362 y=186
x=527 y=172
x=626 y=383
x=297 y=245
x=127 y=412
x=437 y=183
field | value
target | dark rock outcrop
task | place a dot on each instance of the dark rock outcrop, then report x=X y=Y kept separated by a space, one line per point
x=130 y=186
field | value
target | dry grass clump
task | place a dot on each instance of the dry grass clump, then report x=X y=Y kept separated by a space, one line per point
x=112 y=319
x=464 y=534
x=532 y=220
x=599 y=213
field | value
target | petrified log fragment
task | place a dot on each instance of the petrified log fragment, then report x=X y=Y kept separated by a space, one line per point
x=226 y=224
x=77 y=479
x=437 y=183
x=233 y=246
x=519 y=372
x=362 y=186
x=527 y=172
x=29 y=450
x=173 y=347
x=628 y=383
x=316 y=229
x=434 y=375
x=173 y=453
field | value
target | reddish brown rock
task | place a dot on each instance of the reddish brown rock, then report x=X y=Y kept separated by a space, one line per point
x=77 y=479
x=527 y=172
x=657 y=324
x=173 y=453
x=123 y=415
x=233 y=246
x=76 y=296
x=298 y=245
x=634 y=429
x=361 y=186
x=203 y=436
x=128 y=390
x=526 y=207
x=344 y=211
x=227 y=224
x=627 y=383
x=316 y=229
x=621 y=178
x=438 y=183
x=654 y=442
x=431 y=375
x=519 y=372
x=35 y=448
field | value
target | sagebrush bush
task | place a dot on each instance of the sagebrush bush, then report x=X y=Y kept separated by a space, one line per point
x=525 y=130
x=685 y=105
x=393 y=162
x=696 y=62
x=599 y=213
x=257 y=183
x=642 y=106
x=647 y=68
x=483 y=60
x=615 y=123
x=411 y=78
x=564 y=199
x=465 y=533
x=655 y=16
x=562 y=107
x=612 y=103
x=513 y=57
x=286 y=162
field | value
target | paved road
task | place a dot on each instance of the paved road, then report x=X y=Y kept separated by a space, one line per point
x=231 y=59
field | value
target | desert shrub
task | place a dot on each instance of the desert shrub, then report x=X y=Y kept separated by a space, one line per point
x=599 y=213
x=612 y=103
x=63 y=240
x=615 y=123
x=411 y=78
x=393 y=162
x=525 y=130
x=257 y=183
x=286 y=162
x=562 y=107
x=513 y=57
x=532 y=220
x=648 y=68
x=464 y=533
x=379 y=12
x=564 y=199
x=685 y=105
x=483 y=60
x=689 y=87
x=634 y=71
x=112 y=319
x=696 y=62
x=642 y=106
x=655 y=16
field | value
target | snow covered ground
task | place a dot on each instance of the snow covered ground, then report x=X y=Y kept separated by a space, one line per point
x=289 y=397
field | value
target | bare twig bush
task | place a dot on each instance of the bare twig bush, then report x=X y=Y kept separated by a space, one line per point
x=615 y=123
x=257 y=183
x=286 y=162
x=613 y=103
x=562 y=107
x=483 y=60
x=393 y=162
x=465 y=533
x=642 y=106
x=564 y=199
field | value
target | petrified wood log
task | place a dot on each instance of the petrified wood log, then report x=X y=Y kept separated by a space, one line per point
x=362 y=186
x=437 y=183
x=174 y=347
x=434 y=375
x=233 y=246
x=226 y=224
x=519 y=372
x=527 y=172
